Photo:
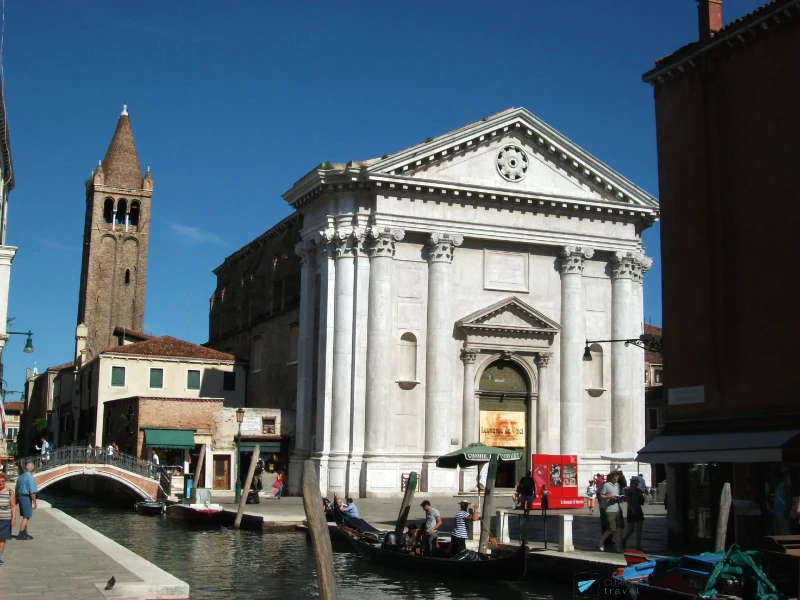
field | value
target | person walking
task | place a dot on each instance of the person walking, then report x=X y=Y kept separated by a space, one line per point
x=155 y=460
x=610 y=497
x=109 y=453
x=591 y=494
x=26 y=492
x=545 y=499
x=527 y=493
x=635 y=499
x=8 y=513
x=44 y=450
x=433 y=521
x=458 y=537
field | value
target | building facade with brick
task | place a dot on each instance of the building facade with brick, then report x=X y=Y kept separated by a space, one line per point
x=726 y=120
x=451 y=287
x=254 y=316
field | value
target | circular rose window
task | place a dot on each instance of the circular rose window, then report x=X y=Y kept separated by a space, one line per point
x=512 y=163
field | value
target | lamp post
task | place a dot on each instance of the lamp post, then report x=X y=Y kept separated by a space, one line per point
x=28 y=343
x=646 y=341
x=238 y=488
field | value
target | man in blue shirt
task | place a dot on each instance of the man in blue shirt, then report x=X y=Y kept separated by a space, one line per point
x=26 y=500
x=350 y=509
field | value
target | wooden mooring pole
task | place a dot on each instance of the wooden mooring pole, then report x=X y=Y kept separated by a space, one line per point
x=405 y=508
x=722 y=517
x=318 y=528
x=488 y=506
x=250 y=472
x=198 y=470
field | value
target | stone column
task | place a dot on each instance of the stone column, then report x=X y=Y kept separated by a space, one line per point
x=627 y=361
x=327 y=273
x=346 y=241
x=542 y=361
x=573 y=340
x=379 y=340
x=438 y=383
x=470 y=416
x=306 y=250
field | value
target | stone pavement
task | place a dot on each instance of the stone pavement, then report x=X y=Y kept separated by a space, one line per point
x=382 y=512
x=67 y=560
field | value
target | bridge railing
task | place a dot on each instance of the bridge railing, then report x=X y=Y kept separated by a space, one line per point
x=88 y=455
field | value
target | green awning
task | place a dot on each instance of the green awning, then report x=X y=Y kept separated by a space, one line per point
x=169 y=438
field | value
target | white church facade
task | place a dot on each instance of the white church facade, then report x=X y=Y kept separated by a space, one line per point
x=447 y=293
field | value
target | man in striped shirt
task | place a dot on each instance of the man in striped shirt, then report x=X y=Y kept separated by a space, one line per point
x=458 y=537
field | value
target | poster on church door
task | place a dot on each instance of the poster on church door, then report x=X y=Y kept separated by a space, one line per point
x=503 y=429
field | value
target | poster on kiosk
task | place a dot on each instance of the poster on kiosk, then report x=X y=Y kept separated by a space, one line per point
x=560 y=473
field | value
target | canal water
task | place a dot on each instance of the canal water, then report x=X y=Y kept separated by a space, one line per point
x=226 y=564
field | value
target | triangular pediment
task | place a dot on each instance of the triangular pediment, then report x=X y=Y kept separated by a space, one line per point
x=511 y=315
x=513 y=151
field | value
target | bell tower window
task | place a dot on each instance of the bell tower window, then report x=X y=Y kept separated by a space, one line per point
x=108 y=211
x=127 y=276
x=134 y=214
x=122 y=210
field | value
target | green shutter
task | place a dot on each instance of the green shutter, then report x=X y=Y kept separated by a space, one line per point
x=193 y=380
x=118 y=376
x=157 y=378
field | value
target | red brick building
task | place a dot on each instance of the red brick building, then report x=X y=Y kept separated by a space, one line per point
x=727 y=127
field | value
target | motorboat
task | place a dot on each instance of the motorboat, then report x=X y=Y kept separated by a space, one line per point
x=149 y=507
x=199 y=513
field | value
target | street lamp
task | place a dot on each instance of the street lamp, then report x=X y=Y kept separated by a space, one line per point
x=238 y=489
x=28 y=343
x=646 y=341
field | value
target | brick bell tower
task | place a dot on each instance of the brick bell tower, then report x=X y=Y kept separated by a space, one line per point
x=114 y=265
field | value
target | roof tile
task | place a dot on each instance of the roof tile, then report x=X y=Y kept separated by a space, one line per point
x=169 y=347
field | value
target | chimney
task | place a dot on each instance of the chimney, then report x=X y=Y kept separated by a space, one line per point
x=709 y=18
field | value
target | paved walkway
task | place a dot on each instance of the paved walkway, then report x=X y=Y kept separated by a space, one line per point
x=382 y=512
x=67 y=560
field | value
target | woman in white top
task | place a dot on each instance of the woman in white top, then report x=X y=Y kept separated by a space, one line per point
x=591 y=494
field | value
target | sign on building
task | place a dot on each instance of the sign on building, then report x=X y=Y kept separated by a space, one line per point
x=503 y=429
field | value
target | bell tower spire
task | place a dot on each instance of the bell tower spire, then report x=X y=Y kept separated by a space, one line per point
x=115 y=236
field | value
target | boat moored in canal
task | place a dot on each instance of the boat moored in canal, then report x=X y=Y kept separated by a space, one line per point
x=149 y=507
x=198 y=513
x=505 y=568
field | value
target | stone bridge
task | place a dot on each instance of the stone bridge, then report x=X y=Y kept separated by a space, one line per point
x=146 y=487
x=137 y=475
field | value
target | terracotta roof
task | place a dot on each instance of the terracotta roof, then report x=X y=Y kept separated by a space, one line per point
x=121 y=163
x=652 y=357
x=730 y=30
x=13 y=406
x=64 y=367
x=169 y=347
x=132 y=333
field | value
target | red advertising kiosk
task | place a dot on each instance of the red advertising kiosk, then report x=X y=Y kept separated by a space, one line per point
x=560 y=473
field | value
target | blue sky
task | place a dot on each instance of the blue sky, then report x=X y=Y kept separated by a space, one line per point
x=231 y=102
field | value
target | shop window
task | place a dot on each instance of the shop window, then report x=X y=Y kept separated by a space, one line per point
x=407 y=363
x=157 y=378
x=193 y=380
x=117 y=377
x=255 y=355
x=652 y=419
x=268 y=426
x=294 y=332
x=229 y=381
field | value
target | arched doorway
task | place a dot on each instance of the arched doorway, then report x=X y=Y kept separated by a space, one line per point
x=504 y=394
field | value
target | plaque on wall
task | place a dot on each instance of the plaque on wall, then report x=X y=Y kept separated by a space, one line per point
x=505 y=271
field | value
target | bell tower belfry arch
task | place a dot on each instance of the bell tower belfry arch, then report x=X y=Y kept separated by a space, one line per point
x=115 y=241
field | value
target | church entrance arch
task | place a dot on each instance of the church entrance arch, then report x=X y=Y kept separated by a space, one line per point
x=504 y=401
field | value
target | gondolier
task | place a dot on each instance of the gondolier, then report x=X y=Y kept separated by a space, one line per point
x=458 y=537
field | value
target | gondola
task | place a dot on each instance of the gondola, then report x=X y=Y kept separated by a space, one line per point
x=507 y=568
x=149 y=507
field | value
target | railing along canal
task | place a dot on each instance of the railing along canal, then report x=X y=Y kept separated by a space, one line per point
x=88 y=455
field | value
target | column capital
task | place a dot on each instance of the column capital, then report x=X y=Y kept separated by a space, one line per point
x=543 y=359
x=382 y=241
x=629 y=265
x=306 y=250
x=468 y=355
x=572 y=258
x=325 y=242
x=348 y=241
x=442 y=245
